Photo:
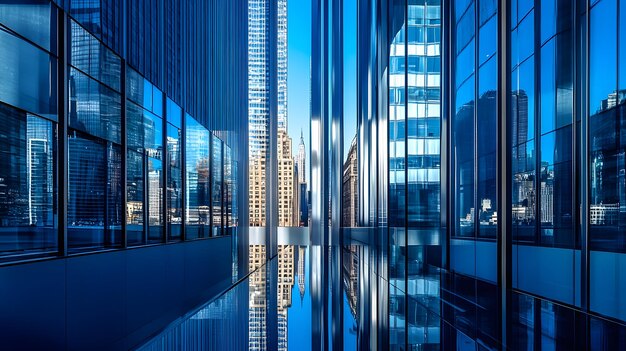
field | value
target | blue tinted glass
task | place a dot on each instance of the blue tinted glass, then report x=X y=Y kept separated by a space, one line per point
x=94 y=108
x=174 y=113
x=465 y=29
x=135 y=198
x=564 y=65
x=94 y=210
x=154 y=184
x=148 y=91
x=602 y=54
x=547 y=148
x=87 y=13
x=463 y=158
x=525 y=37
x=134 y=86
x=33 y=19
x=460 y=6
x=548 y=19
x=487 y=40
x=465 y=63
x=487 y=8
x=198 y=158
x=93 y=58
x=28 y=84
x=157 y=101
x=27 y=183
x=548 y=93
x=487 y=79
x=153 y=135
x=523 y=6
x=524 y=102
x=174 y=182
x=134 y=127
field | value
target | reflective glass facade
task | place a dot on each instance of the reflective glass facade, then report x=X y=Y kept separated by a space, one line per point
x=114 y=134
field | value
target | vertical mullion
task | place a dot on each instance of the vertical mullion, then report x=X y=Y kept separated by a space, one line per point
x=210 y=185
x=164 y=172
x=504 y=159
x=62 y=132
x=537 y=117
x=124 y=153
x=475 y=125
x=183 y=172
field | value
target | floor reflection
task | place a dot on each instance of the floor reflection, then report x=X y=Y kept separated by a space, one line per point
x=371 y=294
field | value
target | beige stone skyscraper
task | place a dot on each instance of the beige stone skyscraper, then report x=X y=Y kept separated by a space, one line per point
x=287 y=186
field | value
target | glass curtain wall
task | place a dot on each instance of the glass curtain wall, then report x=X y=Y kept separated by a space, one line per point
x=118 y=135
x=95 y=213
x=28 y=129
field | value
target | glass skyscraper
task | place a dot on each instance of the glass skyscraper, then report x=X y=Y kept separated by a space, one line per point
x=122 y=125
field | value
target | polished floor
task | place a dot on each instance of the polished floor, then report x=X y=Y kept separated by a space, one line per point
x=312 y=297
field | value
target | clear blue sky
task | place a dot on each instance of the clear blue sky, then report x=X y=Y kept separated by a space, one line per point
x=298 y=71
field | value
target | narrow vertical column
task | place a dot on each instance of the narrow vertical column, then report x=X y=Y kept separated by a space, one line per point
x=62 y=151
x=271 y=182
x=124 y=153
x=504 y=166
x=582 y=72
x=336 y=180
x=164 y=172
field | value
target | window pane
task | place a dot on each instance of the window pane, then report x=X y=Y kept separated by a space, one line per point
x=27 y=183
x=488 y=40
x=155 y=200
x=94 y=211
x=134 y=198
x=29 y=84
x=216 y=187
x=94 y=108
x=602 y=55
x=463 y=158
x=198 y=216
x=93 y=58
x=486 y=146
x=174 y=182
x=34 y=20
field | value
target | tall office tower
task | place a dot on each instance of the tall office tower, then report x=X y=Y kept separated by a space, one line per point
x=103 y=106
x=301 y=160
x=258 y=73
x=287 y=196
x=414 y=116
x=350 y=196
x=282 y=65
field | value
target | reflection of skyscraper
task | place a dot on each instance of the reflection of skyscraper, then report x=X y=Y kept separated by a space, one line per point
x=301 y=277
x=257 y=308
x=39 y=171
x=519 y=102
x=301 y=160
x=351 y=277
x=257 y=311
x=350 y=196
x=286 y=275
